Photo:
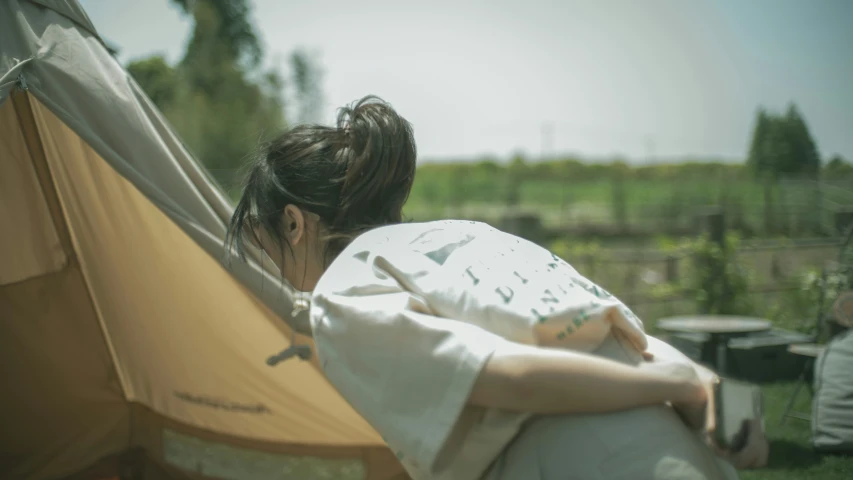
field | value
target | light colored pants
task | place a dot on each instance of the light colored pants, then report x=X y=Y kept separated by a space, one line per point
x=650 y=443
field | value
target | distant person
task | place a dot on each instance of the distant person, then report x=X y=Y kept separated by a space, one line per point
x=462 y=345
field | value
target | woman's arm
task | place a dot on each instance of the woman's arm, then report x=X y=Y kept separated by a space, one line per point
x=662 y=350
x=549 y=381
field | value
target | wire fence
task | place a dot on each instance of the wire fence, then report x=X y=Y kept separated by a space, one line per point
x=651 y=282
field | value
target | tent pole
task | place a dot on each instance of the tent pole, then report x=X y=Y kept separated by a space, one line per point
x=20 y=100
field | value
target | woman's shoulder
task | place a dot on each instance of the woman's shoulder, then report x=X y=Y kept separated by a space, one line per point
x=409 y=232
x=402 y=243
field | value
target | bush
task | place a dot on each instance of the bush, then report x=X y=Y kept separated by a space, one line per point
x=720 y=284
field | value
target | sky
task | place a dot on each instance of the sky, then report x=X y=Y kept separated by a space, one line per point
x=645 y=80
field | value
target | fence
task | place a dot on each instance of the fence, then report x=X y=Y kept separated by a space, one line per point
x=650 y=281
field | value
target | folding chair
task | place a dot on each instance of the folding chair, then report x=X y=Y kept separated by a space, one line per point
x=844 y=266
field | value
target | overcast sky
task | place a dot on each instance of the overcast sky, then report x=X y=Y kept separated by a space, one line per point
x=635 y=78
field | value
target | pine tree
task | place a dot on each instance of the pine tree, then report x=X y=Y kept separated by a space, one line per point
x=757 y=159
x=804 y=157
x=776 y=148
x=218 y=97
x=782 y=145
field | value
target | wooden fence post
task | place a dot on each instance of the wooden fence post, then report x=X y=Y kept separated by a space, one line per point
x=775 y=266
x=671 y=269
x=843 y=220
x=817 y=215
x=783 y=218
x=713 y=223
x=769 y=214
x=620 y=209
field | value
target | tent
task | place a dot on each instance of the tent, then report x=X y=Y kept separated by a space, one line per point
x=128 y=348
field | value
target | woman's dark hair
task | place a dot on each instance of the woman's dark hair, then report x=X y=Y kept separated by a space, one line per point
x=354 y=176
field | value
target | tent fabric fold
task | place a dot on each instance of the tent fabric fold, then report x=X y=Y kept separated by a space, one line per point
x=35 y=248
x=123 y=331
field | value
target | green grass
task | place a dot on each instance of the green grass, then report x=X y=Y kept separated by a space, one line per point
x=432 y=189
x=791 y=455
x=655 y=202
x=650 y=203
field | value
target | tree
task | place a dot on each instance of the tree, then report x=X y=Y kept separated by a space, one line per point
x=487 y=167
x=837 y=166
x=157 y=78
x=306 y=79
x=782 y=145
x=757 y=157
x=804 y=157
x=232 y=28
x=775 y=148
x=217 y=97
x=212 y=54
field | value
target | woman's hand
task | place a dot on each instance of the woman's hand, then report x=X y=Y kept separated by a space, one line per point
x=695 y=402
x=708 y=381
x=698 y=411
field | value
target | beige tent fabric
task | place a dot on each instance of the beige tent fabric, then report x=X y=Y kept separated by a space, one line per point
x=189 y=340
x=120 y=322
x=62 y=404
x=30 y=246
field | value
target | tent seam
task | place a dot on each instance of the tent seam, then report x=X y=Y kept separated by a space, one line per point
x=42 y=157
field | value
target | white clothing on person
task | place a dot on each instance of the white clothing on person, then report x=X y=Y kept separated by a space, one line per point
x=407 y=315
x=646 y=443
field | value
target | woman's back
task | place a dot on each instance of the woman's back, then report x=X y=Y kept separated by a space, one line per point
x=466 y=282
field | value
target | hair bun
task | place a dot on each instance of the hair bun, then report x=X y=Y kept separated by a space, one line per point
x=380 y=157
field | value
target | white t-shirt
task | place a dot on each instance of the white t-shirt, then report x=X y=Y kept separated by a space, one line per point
x=407 y=315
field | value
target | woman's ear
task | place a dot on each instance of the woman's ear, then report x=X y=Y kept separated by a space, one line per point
x=294 y=224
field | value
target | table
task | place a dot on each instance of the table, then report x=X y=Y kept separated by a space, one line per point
x=719 y=328
x=811 y=350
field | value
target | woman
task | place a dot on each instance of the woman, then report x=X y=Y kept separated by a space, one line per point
x=476 y=354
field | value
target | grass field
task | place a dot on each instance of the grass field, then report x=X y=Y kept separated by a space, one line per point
x=663 y=201
x=791 y=455
x=431 y=189
x=651 y=203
